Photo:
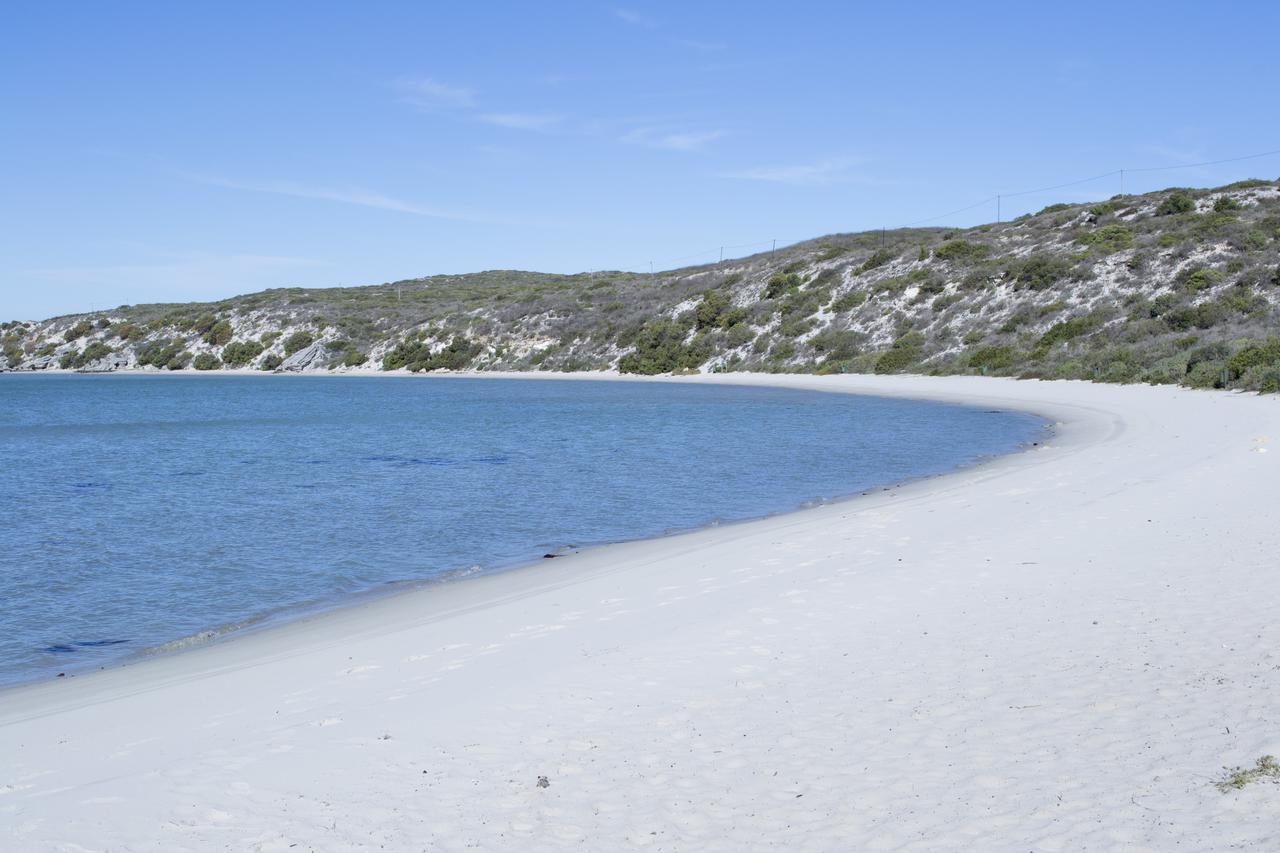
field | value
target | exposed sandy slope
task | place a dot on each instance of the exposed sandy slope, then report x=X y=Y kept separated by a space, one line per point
x=1057 y=651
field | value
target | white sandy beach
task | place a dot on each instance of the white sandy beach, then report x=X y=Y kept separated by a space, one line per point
x=1057 y=651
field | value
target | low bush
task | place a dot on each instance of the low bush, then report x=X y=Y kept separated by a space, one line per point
x=960 y=251
x=1040 y=271
x=218 y=334
x=1064 y=331
x=1174 y=203
x=993 y=358
x=849 y=301
x=838 y=345
x=716 y=311
x=240 y=353
x=878 y=258
x=79 y=330
x=90 y=354
x=780 y=284
x=1108 y=239
x=298 y=341
x=660 y=348
x=164 y=353
x=417 y=356
x=1265 y=354
x=905 y=352
x=739 y=335
x=128 y=331
x=206 y=361
x=1195 y=279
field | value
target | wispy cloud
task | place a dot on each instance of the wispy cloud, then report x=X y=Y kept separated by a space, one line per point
x=356 y=196
x=830 y=171
x=671 y=141
x=430 y=93
x=521 y=121
x=634 y=18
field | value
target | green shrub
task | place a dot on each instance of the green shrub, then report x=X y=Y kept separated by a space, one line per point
x=1263 y=381
x=91 y=353
x=271 y=362
x=1195 y=279
x=164 y=353
x=739 y=335
x=417 y=356
x=992 y=358
x=781 y=283
x=128 y=331
x=202 y=324
x=782 y=350
x=239 y=353
x=206 y=361
x=1206 y=374
x=218 y=334
x=1254 y=240
x=298 y=341
x=1202 y=316
x=716 y=311
x=795 y=327
x=1265 y=354
x=79 y=330
x=12 y=348
x=849 y=301
x=1108 y=239
x=1040 y=271
x=660 y=348
x=1064 y=331
x=837 y=345
x=878 y=258
x=1174 y=203
x=905 y=352
x=961 y=251
x=930 y=287
x=944 y=302
x=354 y=358
x=1225 y=204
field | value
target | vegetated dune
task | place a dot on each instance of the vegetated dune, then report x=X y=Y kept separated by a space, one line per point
x=1180 y=286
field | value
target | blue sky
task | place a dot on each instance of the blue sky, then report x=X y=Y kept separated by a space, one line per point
x=170 y=152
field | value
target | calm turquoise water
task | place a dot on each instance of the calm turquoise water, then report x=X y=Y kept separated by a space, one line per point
x=138 y=510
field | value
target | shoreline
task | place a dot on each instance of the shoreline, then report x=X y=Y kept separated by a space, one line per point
x=281 y=617
x=946 y=603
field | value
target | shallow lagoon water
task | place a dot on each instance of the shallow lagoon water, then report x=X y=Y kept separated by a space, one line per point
x=137 y=510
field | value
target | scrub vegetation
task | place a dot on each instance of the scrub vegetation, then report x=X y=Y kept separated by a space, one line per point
x=1180 y=286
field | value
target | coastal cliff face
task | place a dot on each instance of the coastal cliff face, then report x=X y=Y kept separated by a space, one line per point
x=1180 y=286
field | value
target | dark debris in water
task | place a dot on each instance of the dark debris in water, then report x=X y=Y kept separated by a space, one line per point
x=91 y=485
x=77 y=645
x=437 y=461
